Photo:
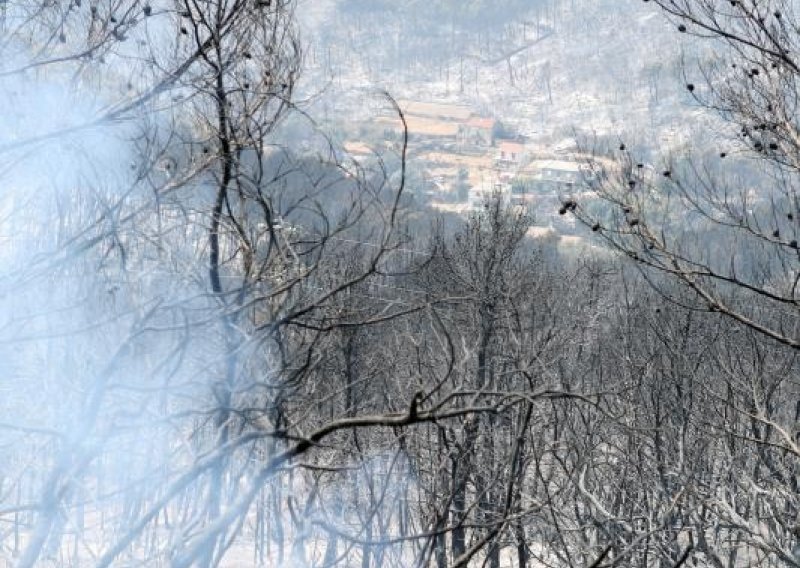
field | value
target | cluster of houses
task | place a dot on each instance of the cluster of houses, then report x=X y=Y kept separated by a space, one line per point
x=451 y=127
x=465 y=159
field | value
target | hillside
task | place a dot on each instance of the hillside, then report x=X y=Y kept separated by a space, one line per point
x=604 y=67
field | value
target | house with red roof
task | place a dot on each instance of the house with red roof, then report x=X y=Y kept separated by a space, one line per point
x=510 y=154
x=477 y=132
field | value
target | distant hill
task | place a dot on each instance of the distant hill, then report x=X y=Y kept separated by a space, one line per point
x=549 y=68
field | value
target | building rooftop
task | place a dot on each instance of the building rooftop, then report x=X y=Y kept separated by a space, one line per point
x=540 y=232
x=444 y=111
x=511 y=147
x=559 y=165
x=477 y=122
x=426 y=126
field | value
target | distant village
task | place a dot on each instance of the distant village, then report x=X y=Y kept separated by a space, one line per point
x=465 y=158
